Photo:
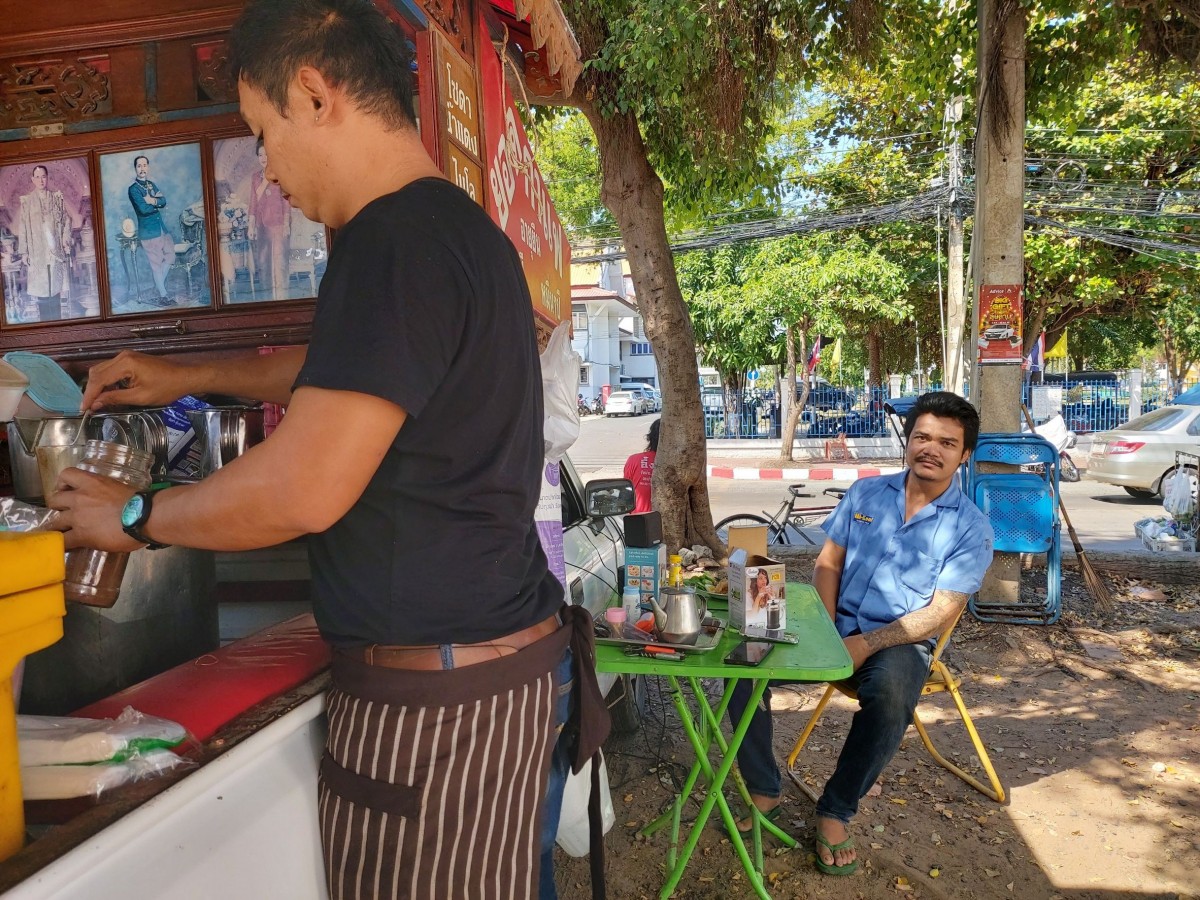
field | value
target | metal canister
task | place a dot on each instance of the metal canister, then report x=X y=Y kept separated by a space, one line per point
x=94 y=576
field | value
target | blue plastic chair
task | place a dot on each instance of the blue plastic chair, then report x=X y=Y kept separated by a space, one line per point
x=1023 y=510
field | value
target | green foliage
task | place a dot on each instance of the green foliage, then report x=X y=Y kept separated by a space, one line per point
x=1112 y=342
x=569 y=162
x=700 y=77
x=742 y=296
x=732 y=335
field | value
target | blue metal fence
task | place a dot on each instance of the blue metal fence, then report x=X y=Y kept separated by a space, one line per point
x=1087 y=406
x=830 y=411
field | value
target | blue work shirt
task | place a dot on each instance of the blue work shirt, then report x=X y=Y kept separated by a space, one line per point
x=892 y=566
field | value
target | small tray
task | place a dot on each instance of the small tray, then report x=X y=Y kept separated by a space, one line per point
x=710 y=635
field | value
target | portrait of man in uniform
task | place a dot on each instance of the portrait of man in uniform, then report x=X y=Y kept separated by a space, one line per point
x=154 y=219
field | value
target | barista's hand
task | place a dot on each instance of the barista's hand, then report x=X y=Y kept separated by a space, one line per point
x=89 y=511
x=135 y=379
x=856 y=646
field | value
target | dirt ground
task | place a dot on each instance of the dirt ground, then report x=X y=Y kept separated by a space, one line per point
x=1093 y=725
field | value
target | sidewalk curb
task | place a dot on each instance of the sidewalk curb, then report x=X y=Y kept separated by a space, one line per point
x=835 y=473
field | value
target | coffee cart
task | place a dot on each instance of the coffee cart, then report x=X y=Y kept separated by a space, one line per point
x=85 y=92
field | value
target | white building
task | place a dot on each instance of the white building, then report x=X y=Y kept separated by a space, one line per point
x=607 y=331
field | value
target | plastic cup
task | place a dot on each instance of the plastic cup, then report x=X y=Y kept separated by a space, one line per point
x=52 y=460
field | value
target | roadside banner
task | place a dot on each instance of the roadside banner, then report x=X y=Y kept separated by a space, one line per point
x=517 y=199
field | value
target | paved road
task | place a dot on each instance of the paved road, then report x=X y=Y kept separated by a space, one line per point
x=1103 y=515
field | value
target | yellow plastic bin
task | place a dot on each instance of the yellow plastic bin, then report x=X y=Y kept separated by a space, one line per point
x=31 y=618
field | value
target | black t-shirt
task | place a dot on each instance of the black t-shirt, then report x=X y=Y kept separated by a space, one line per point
x=424 y=304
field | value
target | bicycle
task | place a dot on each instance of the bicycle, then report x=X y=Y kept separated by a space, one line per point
x=788 y=516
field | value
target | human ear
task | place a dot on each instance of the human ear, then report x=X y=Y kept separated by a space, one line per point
x=312 y=94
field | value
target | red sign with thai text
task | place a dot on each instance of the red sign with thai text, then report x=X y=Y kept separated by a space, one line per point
x=517 y=199
x=1001 y=319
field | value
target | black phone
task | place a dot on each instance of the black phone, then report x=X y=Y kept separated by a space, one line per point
x=749 y=653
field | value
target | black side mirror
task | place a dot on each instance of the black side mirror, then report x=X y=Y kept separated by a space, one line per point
x=608 y=497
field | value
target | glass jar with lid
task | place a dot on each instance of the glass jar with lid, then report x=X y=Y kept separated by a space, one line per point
x=94 y=576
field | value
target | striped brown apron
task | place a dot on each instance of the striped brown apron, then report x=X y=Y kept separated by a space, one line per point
x=432 y=784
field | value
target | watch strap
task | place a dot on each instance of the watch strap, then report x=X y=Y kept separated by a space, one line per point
x=135 y=530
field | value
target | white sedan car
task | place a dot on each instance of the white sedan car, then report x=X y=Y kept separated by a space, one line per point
x=1140 y=455
x=624 y=403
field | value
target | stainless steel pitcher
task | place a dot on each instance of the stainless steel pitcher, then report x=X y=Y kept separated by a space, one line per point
x=24 y=437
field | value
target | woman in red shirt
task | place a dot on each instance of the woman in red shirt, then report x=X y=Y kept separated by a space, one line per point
x=639 y=469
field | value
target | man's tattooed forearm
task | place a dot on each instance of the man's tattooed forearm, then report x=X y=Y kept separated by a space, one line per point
x=920 y=624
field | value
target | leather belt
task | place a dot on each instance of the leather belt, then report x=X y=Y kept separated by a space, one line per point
x=435 y=657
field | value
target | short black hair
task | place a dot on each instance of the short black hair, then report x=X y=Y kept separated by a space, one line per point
x=945 y=405
x=43 y=168
x=140 y=156
x=350 y=42
x=652 y=436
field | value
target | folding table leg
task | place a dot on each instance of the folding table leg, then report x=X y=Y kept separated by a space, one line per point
x=714 y=796
x=713 y=719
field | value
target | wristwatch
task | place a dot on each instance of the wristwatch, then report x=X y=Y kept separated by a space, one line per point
x=135 y=515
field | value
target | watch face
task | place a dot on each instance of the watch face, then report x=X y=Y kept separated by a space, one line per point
x=133 y=510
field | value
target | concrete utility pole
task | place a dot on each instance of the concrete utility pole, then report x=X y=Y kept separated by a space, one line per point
x=956 y=322
x=999 y=226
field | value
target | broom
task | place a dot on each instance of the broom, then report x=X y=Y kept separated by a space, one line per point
x=1091 y=578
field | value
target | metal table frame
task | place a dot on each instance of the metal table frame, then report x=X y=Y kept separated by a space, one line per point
x=819 y=656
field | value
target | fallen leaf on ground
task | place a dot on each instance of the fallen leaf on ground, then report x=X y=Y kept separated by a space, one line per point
x=1144 y=593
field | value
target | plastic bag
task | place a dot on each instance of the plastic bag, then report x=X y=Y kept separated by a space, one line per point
x=56 y=741
x=573 y=831
x=18 y=516
x=1178 y=500
x=560 y=392
x=64 y=782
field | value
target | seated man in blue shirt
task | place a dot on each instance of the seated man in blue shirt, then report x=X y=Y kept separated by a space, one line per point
x=903 y=554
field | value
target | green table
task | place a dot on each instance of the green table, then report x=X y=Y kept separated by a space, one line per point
x=819 y=656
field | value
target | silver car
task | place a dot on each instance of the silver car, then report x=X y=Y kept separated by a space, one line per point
x=1140 y=455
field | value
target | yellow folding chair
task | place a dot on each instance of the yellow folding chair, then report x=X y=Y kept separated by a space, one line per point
x=940 y=679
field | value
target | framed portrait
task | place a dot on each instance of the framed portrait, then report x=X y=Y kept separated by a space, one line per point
x=267 y=250
x=47 y=242
x=155 y=243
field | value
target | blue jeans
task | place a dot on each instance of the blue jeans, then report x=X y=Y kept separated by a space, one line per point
x=888 y=685
x=559 y=766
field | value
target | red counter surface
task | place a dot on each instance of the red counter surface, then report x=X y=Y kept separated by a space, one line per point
x=210 y=691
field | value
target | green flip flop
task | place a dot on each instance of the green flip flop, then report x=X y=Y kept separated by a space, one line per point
x=828 y=868
x=770 y=815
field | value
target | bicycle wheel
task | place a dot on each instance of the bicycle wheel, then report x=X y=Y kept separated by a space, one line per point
x=742 y=519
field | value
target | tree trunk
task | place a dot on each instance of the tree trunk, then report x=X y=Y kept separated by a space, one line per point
x=633 y=193
x=875 y=357
x=731 y=394
x=797 y=405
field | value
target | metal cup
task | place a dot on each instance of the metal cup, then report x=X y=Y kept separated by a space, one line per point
x=52 y=460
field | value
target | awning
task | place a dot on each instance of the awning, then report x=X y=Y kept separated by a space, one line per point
x=552 y=36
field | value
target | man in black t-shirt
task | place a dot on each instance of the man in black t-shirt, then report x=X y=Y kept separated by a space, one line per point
x=410 y=455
